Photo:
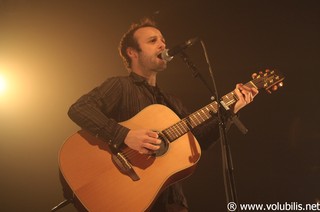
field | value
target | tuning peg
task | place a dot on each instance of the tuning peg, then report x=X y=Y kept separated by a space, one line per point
x=268 y=90
x=280 y=84
x=274 y=88
x=254 y=75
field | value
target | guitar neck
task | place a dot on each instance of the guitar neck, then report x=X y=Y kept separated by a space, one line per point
x=200 y=116
x=231 y=98
x=266 y=81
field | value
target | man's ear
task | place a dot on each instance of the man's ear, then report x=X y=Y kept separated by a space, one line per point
x=132 y=53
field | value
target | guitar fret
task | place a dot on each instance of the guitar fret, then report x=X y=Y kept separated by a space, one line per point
x=200 y=116
x=174 y=132
x=169 y=134
x=177 y=130
x=184 y=126
x=213 y=109
x=206 y=113
x=235 y=97
x=250 y=84
x=181 y=127
x=191 y=122
x=208 y=110
x=229 y=99
x=197 y=121
x=194 y=120
x=187 y=122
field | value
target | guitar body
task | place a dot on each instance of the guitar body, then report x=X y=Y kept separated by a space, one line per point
x=86 y=164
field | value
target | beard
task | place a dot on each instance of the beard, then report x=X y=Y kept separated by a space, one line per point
x=152 y=63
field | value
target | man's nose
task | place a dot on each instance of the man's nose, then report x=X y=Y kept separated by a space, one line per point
x=162 y=45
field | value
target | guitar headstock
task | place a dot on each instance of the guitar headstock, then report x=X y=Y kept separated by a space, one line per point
x=269 y=80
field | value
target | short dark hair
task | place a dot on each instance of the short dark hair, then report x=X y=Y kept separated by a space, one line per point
x=128 y=39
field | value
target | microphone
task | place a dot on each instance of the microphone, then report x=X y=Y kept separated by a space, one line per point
x=168 y=54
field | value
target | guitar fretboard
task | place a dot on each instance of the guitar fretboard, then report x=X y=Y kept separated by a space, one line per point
x=200 y=116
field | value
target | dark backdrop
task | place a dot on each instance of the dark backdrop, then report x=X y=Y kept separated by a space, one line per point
x=51 y=52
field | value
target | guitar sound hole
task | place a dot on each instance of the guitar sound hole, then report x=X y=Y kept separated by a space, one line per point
x=164 y=145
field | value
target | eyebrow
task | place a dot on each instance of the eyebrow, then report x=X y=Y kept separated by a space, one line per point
x=156 y=37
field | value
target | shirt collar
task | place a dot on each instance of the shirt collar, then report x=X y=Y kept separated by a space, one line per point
x=137 y=78
x=140 y=79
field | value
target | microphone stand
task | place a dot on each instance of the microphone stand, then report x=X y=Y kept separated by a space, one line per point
x=227 y=164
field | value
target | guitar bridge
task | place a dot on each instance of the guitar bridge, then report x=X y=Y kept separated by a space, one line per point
x=124 y=166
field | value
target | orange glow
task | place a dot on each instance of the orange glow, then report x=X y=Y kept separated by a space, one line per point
x=3 y=84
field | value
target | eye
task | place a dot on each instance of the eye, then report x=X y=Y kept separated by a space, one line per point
x=153 y=40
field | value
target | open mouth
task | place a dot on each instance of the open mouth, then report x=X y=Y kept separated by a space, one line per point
x=159 y=55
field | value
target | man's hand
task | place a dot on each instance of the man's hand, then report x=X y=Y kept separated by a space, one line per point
x=245 y=96
x=144 y=141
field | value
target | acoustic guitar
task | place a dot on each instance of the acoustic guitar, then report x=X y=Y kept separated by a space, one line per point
x=107 y=180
